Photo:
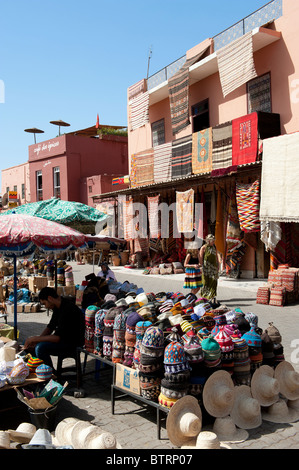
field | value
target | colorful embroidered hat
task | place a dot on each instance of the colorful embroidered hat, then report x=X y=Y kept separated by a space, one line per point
x=174 y=353
x=224 y=340
x=44 y=372
x=33 y=363
x=252 y=338
x=153 y=340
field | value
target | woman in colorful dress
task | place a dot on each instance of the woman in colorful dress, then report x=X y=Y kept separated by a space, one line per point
x=210 y=268
x=192 y=266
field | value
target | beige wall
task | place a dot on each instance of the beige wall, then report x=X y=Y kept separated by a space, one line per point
x=16 y=176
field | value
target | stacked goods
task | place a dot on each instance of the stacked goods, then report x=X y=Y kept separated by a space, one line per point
x=282 y=287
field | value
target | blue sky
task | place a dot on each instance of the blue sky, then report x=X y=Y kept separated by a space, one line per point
x=72 y=60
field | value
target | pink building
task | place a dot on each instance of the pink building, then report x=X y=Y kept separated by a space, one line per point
x=197 y=96
x=16 y=178
x=73 y=166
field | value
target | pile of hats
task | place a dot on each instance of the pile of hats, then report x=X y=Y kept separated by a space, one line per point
x=176 y=381
x=119 y=329
x=90 y=313
x=109 y=331
x=150 y=366
x=130 y=337
x=69 y=277
x=140 y=330
x=194 y=354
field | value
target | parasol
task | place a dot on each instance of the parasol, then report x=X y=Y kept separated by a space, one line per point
x=34 y=131
x=21 y=234
x=74 y=214
x=60 y=123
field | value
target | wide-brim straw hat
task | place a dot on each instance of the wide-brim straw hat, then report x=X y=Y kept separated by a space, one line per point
x=219 y=394
x=63 y=431
x=246 y=412
x=288 y=380
x=23 y=434
x=101 y=440
x=42 y=439
x=264 y=386
x=184 y=421
x=280 y=413
x=207 y=440
x=227 y=431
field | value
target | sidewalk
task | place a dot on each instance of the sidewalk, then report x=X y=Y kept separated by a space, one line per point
x=133 y=424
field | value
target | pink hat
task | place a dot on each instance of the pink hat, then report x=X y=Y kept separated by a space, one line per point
x=224 y=340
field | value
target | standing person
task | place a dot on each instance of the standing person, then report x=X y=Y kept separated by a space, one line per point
x=192 y=266
x=65 y=331
x=210 y=268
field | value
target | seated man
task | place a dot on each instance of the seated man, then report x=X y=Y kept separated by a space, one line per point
x=106 y=272
x=64 y=332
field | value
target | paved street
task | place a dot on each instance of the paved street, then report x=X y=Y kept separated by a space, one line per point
x=133 y=424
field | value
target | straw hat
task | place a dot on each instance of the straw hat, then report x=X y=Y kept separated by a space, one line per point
x=184 y=421
x=42 y=439
x=23 y=434
x=63 y=431
x=207 y=440
x=78 y=433
x=103 y=440
x=219 y=394
x=264 y=387
x=4 y=440
x=280 y=412
x=288 y=380
x=246 y=412
x=227 y=431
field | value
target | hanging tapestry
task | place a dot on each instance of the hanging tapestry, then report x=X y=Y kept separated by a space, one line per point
x=162 y=163
x=138 y=111
x=222 y=146
x=136 y=89
x=128 y=219
x=154 y=216
x=181 y=157
x=185 y=210
x=142 y=168
x=204 y=226
x=202 y=147
x=178 y=87
x=279 y=183
x=219 y=228
x=248 y=203
x=245 y=139
x=236 y=63
x=233 y=231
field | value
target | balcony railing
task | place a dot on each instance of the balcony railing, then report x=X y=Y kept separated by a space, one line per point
x=269 y=12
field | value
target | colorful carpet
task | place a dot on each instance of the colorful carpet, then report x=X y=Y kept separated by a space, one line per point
x=222 y=146
x=245 y=139
x=248 y=204
x=202 y=149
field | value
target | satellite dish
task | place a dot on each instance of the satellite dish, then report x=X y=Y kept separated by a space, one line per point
x=34 y=131
x=60 y=123
x=5 y=199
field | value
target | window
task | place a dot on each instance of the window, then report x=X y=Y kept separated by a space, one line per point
x=7 y=189
x=23 y=191
x=158 y=132
x=259 y=94
x=15 y=188
x=56 y=182
x=39 y=186
x=200 y=116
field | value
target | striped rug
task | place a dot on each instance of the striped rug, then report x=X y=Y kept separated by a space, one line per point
x=138 y=110
x=181 y=157
x=202 y=148
x=136 y=89
x=178 y=87
x=142 y=168
x=154 y=221
x=222 y=146
x=248 y=204
x=162 y=163
x=236 y=63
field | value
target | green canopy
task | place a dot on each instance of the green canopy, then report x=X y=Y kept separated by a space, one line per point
x=74 y=214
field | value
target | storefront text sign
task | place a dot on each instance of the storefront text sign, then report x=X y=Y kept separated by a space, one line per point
x=48 y=148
